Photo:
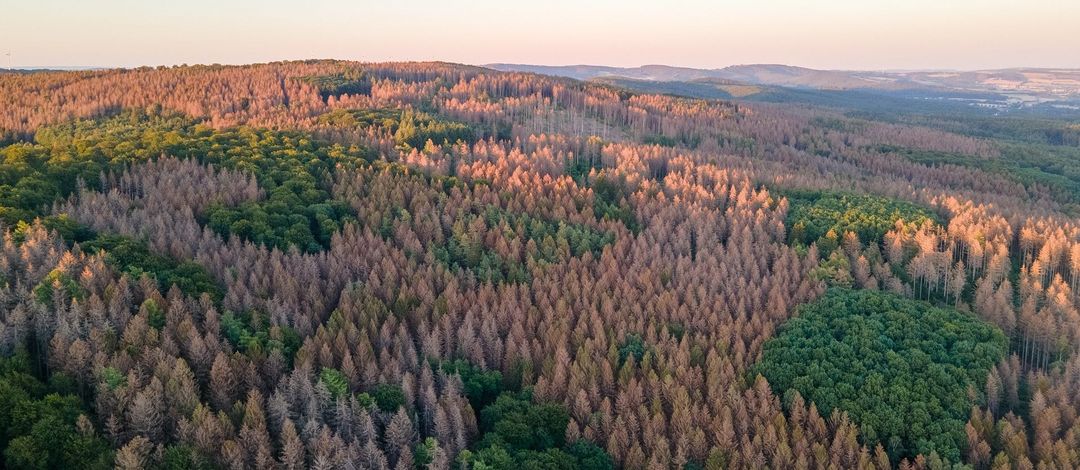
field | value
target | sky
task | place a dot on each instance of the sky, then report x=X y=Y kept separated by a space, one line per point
x=827 y=34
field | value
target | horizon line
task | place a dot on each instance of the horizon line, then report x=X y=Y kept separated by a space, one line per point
x=79 y=68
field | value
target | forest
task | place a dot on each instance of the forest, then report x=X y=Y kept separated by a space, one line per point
x=329 y=264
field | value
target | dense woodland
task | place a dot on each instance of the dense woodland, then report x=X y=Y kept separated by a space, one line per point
x=424 y=265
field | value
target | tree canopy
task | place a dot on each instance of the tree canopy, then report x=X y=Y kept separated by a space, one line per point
x=427 y=265
x=824 y=217
x=902 y=369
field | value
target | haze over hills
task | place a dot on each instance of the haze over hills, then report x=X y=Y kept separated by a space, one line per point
x=998 y=90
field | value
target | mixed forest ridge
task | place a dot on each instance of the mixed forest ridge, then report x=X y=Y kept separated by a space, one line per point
x=326 y=264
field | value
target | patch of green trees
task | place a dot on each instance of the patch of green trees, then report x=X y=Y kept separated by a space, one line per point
x=251 y=333
x=824 y=216
x=1029 y=163
x=134 y=258
x=353 y=82
x=906 y=372
x=292 y=168
x=412 y=128
x=466 y=250
x=609 y=191
x=125 y=255
x=519 y=433
x=45 y=424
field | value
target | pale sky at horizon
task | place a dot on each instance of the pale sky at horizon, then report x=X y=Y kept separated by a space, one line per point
x=830 y=34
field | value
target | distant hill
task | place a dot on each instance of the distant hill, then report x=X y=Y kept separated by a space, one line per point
x=759 y=74
x=1043 y=92
x=786 y=75
x=706 y=88
x=1020 y=85
x=46 y=68
x=587 y=72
